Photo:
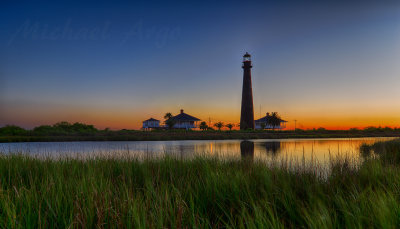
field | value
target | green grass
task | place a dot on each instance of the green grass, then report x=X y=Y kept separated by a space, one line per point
x=164 y=135
x=201 y=192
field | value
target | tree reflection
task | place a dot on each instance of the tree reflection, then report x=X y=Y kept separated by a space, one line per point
x=272 y=147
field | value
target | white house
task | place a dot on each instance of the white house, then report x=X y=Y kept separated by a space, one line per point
x=265 y=121
x=185 y=121
x=151 y=124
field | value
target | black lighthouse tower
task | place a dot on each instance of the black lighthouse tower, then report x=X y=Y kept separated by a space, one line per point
x=247 y=113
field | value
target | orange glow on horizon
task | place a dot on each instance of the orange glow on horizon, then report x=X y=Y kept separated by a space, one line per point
x=116 y=121
x=123 y=117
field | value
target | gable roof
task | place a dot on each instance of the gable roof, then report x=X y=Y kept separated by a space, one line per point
x=151 y=119
x=266 y=119
x=184 y=117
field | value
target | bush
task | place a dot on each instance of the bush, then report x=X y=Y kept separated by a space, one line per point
x=65 y=128
x=12 y=130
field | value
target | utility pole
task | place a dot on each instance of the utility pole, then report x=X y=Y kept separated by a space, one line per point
x=295 y=124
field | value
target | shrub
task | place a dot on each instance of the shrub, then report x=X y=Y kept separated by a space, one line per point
x=12 y=130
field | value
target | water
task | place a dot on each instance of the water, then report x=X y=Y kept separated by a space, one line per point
x=316 y=150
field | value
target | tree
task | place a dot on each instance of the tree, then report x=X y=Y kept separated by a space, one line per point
x=219 y=125
x=263 y=125
x=169 y=121
x=82 y=128
x=229 y=125
x=65 y=128
x=274 y=120
x=12 y=130
x=167 y=116
x=43 y=130
x=203 y=126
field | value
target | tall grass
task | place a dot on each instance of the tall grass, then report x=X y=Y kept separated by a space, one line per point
x=201 y=192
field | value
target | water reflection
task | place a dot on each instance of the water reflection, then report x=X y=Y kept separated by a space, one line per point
x=180 y=150
x=272 y=147
x=247 y=150
x=317 y=150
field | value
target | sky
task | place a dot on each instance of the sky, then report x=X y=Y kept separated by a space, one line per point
x=332 y=64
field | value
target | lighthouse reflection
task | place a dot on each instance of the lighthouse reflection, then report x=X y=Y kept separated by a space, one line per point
x=247 y=150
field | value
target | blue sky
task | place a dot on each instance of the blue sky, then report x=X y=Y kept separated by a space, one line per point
x=114 y=64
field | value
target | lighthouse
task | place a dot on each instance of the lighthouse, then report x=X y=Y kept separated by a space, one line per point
x=247 y=112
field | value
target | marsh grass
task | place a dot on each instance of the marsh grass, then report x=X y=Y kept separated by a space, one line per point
x=170 y=192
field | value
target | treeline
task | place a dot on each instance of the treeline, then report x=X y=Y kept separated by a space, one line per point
x=60 y=128
x=64 y=131
x=66 y=128
x=371 y=129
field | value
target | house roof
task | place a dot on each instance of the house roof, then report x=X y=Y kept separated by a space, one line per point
x=184 y=117
x=151 y=119
x=266 y=119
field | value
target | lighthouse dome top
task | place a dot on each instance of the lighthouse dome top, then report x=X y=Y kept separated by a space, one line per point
x=246 y=57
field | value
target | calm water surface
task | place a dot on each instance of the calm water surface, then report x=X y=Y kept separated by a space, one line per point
x=309 y=150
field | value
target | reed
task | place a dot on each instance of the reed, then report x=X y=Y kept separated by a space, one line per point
x=201 y=192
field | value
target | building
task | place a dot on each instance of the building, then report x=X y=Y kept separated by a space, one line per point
x=185 y=121
x=151 y=124
x=266 y=123
x=247 y=111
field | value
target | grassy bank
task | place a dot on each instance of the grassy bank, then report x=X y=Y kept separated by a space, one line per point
x=164 y=135
x=198 y=193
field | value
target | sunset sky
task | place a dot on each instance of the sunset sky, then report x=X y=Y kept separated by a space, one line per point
x=332 y=64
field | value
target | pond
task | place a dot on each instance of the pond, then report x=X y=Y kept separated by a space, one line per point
x=290 y=150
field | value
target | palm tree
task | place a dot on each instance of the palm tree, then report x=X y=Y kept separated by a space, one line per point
x=219 y=125
x=167 y=116
x=274 y=120
x=203 y=126
x=168 y=120
x=229 y=125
